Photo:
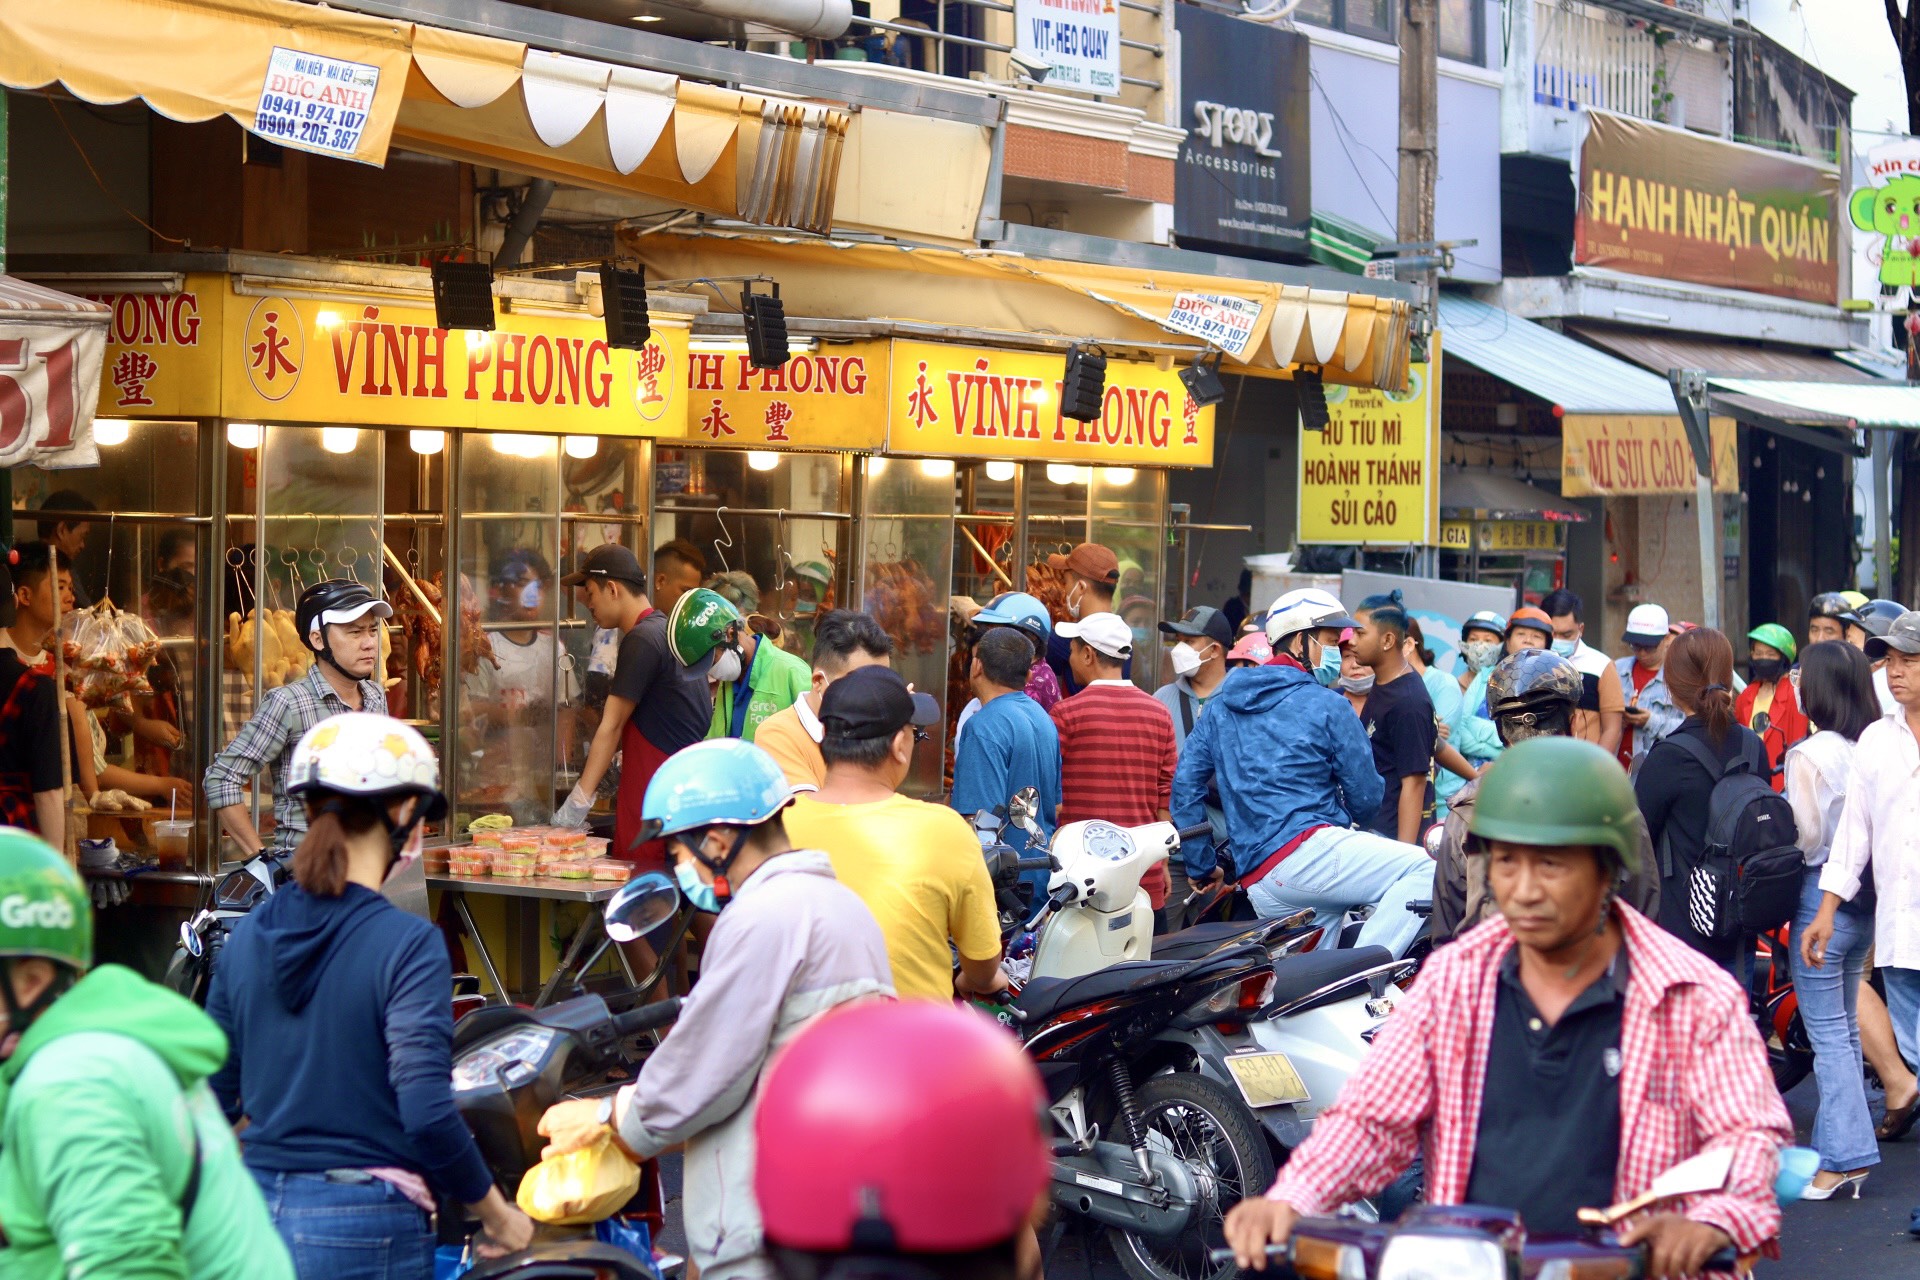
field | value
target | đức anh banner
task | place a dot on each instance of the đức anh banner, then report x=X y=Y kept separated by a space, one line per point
x=1659 y=201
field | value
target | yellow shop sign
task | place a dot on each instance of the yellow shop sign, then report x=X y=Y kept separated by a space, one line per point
x=1368 y=477
x=831 y=398
x=974 y=402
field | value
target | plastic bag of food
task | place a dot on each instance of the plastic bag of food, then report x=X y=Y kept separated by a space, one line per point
x=107 y=652
x=579 y=1187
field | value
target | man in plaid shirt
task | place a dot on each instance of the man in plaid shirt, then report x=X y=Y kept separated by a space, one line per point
x=1562 y=1054
x=340 y=621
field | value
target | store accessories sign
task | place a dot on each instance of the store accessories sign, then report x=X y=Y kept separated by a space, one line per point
x=954 y=401
x=834 y=397
x=1613 y=456
x=206 y=352
x=1368 y=478
x=1244 y=175
x=1078 y=40
x=1659 y=201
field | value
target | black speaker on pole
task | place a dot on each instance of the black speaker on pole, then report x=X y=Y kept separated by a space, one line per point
x=623 y=297
x=463 y=295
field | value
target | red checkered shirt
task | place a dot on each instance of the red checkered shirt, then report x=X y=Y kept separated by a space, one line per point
x=1694 y=1076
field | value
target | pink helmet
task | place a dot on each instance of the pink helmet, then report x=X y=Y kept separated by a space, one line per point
x=913 y=1126
x=1252 y=647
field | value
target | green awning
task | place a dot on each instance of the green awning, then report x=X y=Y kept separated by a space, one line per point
x=1338 y=243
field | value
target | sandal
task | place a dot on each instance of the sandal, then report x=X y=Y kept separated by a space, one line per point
x=1898 y=1121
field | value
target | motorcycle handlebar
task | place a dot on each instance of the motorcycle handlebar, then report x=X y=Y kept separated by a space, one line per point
x=648 y=1017
x=1199 y=831
x=1035 y=864
x=1726 y=1260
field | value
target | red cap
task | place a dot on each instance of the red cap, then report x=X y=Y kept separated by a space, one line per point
x=1089 y=560
x=916 y=1125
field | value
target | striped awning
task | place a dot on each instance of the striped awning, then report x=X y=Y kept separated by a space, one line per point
x=1337 y=242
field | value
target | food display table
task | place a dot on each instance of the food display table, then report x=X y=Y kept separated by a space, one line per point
x=523 y=927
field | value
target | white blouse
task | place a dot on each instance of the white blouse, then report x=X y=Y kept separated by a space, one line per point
x=1818 y=769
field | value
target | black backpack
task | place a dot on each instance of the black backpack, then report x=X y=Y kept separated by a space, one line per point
x=1747 y=878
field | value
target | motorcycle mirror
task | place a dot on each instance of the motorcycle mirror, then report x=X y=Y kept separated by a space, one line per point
x=1703 y=1173
x=1435 y=837
x=641 y=905
x=1021 y=808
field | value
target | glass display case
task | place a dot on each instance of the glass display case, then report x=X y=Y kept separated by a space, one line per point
x=907 y=579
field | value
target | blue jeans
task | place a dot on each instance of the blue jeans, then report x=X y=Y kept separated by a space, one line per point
x=338 y=1227
x=1903 y=1007
x=1335 y=869
x=1829 y=997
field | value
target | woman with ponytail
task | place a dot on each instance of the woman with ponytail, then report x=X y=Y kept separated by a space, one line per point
x=1674 y=787
x=337 y=1010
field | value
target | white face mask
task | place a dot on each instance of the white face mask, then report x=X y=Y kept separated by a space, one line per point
x=1186 y=660
x=1076 y=597
x=726 y=666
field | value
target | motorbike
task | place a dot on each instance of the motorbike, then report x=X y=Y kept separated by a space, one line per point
x=229 y=899
x=511 y=1063
x=1479 y=1242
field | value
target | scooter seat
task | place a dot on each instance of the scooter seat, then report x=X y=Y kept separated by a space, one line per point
x=1042 y=998
x=1202 y=939
x=1296 y=976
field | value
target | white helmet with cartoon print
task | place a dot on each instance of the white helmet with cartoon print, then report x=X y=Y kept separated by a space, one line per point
x=367 y=755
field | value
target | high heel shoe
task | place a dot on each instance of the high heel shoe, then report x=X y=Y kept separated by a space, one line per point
x=1851 y=1180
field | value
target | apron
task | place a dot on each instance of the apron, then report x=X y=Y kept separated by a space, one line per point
x=639 y=761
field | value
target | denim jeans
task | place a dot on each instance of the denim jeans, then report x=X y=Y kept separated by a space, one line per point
x=1903 y=1007
x=338 y=1227
x=1829 y=997
x=1335 y=869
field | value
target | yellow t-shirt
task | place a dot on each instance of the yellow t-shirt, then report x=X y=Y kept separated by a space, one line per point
x=784 y=736
x=918 y=868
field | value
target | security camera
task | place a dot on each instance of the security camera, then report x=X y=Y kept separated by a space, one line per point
x=1029 y=66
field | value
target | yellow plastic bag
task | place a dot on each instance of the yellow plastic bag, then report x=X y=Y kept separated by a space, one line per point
x=580 y=1187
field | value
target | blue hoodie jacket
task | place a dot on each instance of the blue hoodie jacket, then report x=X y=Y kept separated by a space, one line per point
x=1289 y=755
x=339 y=1012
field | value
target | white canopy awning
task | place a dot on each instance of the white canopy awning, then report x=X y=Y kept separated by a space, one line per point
x=51 y=348
x=1894 y=405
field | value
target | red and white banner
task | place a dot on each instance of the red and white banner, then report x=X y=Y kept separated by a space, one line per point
x=51 y=349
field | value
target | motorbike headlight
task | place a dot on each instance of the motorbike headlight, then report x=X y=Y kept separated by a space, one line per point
x=1435 y=1257
x=1316 y=1259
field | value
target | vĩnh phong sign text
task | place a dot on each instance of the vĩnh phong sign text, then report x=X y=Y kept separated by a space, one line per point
x=1368 y=478
x=834 y=397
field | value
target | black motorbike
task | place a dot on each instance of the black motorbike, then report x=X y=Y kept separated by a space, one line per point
x=228 y=900
x=511 y=1063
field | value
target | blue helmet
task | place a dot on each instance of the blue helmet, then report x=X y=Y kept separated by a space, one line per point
x=1016 y=609
x=725 y=781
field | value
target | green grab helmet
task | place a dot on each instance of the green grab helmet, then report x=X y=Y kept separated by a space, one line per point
x=1559 y=791
x=699 y=622
x=44 y=909
x=1775 y=636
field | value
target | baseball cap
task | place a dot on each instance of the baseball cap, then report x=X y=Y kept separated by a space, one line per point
x=1904 y=635
x=1089 y=560
x=609 y=562
x=1203 y=620
x=1648 y=625
x=873 y=702
x=1107 y=632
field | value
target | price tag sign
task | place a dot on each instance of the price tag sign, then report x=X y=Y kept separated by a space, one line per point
x=315 y=103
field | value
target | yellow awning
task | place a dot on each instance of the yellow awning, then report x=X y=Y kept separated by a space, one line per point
x=1355 y=338
x=343 y=84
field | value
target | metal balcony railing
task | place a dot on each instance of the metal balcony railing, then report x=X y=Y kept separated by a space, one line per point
x=948 y=37
x=1587 y=55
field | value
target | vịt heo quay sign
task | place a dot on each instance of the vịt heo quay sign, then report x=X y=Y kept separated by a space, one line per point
x=315 y=103
x=1220 y=319
x=1079 y=40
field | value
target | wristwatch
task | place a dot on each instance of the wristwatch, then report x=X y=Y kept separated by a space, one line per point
x=605 y=1114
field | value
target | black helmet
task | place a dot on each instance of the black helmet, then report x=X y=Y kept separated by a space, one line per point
x=1875 y=617
x=1828 y=604
x=1532 y=693
x=332 y=603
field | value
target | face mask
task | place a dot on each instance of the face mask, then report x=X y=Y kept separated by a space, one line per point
x=1075 y=600
x=726 y=666
x=1327 y=673
x=1185 y=660
x=1357 y=684
x=1766 y=670
x=698 y=891
x=1565 y=648
x=1480 y=654
x=530 y=595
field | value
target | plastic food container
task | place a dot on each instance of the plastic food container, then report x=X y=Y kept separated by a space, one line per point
x=564 y=869
x=520 y=842
x=595 y=847
x=172 y=838
x=611 y=869
x=564 y=838
x=487 y=838
x=469 y=860
x=513 y=864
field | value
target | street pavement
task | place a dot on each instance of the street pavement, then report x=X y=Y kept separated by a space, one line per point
x=1834 y=1240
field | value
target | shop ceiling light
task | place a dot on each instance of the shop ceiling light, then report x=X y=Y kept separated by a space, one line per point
x=1313 y=399
x=109 y=431
x=1118 y=477
x=876 y=467
x=511 y=445
x=426 y=443
x=1084 y=384
x=339 y=439
x=1202 y=380
x=1001 y=472
x=328 y=319
x=766 y=318
x=243 y=435
x=935 y=468
x=623 y=297
x=463 y=295
x=581 y=447
x=1062 y=473
x=762 y=460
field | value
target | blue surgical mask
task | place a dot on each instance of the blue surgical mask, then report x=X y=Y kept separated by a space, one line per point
x=1328 y=670
x=530 y=595
x=1565 y=648
x=698 y=891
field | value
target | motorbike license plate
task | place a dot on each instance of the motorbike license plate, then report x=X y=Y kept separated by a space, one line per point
x=1267 y=1079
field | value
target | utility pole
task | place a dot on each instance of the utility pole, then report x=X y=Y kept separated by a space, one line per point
x=1419 y=128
